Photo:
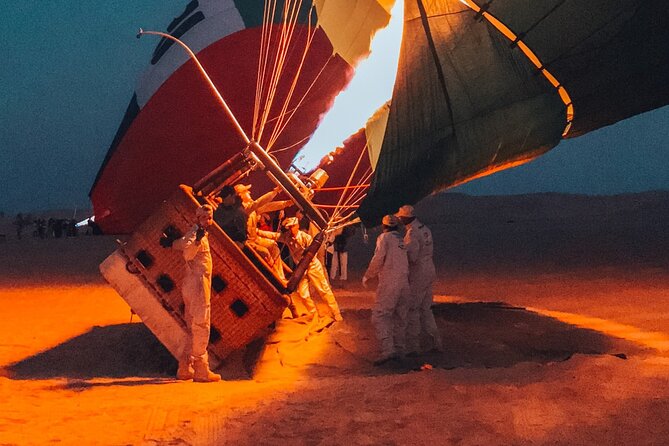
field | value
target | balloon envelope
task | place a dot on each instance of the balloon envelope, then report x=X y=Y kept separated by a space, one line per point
x=174 y=130
x=487 y=85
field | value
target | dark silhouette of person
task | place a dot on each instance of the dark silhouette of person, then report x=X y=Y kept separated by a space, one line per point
x=230 y=215
x=20 y=223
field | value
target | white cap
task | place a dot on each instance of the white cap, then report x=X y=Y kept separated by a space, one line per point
x=291 y=221
x=390 y=221
x=405 y=211
x=241 y=188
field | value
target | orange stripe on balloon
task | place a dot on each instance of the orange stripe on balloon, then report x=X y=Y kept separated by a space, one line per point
x=531 y=55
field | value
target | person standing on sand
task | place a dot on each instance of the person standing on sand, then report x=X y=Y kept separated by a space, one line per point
x=339 y=267
x=298 y=241
x=418 y=241
x=389 y=314
x=197 y=298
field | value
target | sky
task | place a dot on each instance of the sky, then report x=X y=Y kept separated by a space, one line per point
x=70 y=69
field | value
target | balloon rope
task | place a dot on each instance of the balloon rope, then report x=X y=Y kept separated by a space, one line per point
x=264 y=89
x=332 y=206
x=285 y=116
x=290 y=16
x=345 y=192
x=278 y=128
x=358 y=194
x=351 y=206
x=283 y=149
x=292 y=112
x=263 y=56
x=330 y=189
x=231 y=116
x=263 y=97
x=350 y=179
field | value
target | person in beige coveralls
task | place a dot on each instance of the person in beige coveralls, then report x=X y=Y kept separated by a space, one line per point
x=194 y=364
x=297 y=241
x=418 y=241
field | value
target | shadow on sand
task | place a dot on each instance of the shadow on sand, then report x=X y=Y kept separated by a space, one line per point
x=475 y=335
x=114 y=351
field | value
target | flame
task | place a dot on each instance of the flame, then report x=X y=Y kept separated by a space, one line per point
x=371 y=86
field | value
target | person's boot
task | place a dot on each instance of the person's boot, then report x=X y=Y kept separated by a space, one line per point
x=203 y=374
x=335 y=312
x=185 y=371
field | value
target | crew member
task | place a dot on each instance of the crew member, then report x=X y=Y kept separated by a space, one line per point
x=194 y=364
x=389 y=313
x=310 y=228
x=339 y=267
x=297 y=241
x=267 y=248
x=231 y=216
x=418 y=240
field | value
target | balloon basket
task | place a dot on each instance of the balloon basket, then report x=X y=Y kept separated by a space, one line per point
x=246 y=298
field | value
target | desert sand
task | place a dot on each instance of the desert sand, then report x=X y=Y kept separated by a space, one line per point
x=554 y=311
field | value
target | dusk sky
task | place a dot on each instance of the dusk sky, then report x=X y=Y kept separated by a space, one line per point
x=70 y=69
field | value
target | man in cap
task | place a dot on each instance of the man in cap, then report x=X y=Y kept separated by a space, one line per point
x=267 y=248
x=389 y=313
x=298 y=241
x=196 y=291
x=418 y=240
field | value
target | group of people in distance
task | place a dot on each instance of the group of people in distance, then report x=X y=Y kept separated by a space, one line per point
x=403 y=265
x=403 y=307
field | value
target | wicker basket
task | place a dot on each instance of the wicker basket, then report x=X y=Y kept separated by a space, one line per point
x=245 y=300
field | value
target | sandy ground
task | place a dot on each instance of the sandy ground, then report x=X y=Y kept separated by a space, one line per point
x=548 y=342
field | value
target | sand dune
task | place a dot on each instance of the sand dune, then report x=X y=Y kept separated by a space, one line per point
x=553 y=308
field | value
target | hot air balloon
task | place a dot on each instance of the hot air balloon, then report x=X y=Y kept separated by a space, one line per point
x=484 y=86
x=279 y=65
x=480 y=87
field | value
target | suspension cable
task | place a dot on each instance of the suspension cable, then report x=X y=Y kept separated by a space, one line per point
x=290 y=16
x=263 y=56
x=282 y=122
